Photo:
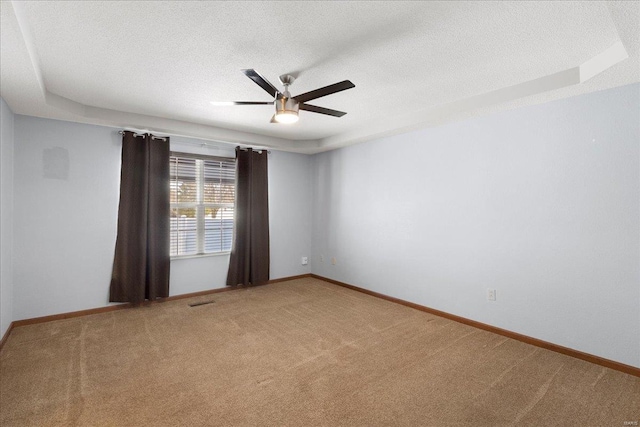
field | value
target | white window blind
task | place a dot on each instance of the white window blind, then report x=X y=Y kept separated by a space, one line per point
x=202 y=196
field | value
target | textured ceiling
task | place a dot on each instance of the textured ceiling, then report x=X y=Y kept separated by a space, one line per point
x=413 y=63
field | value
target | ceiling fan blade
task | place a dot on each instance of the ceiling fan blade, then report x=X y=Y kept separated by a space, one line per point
x=222 y=103
x=262 y=82
x=324 y=91
x=321 y=110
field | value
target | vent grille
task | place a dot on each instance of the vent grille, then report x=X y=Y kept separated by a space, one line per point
x=197 y=304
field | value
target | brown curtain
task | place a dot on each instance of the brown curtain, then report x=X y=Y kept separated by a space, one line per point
x=141 y=264
x=249 y=263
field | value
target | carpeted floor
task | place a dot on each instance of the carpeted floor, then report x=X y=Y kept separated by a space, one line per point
x=296 y=353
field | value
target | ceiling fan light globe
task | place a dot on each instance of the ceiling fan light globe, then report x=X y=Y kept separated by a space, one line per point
x=286 y=117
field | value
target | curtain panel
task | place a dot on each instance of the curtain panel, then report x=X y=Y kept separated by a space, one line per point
x=141 y=263
x=249 y=261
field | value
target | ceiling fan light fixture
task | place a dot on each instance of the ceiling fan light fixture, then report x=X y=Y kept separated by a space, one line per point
x=286 y=110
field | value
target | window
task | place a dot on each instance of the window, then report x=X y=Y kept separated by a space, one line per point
x=202 y=195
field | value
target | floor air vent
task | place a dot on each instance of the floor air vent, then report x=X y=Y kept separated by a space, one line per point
x=196 y=304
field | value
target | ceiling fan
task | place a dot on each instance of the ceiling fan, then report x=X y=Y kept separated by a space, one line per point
x=287 y=107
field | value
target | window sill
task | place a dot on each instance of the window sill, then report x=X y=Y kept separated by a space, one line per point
x=199 y=255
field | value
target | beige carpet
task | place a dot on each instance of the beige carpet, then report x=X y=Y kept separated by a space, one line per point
x=297 y=353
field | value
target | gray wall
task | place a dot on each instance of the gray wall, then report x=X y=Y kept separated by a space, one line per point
x=289 y=212
x=65 y=229
x=541 y=203
x=6 y=216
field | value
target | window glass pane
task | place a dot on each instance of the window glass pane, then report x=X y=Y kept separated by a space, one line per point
x=218 y=193
x=223 y=171
x=183 y=231
x=218 y=231
x=182 y=180
x=219 y=185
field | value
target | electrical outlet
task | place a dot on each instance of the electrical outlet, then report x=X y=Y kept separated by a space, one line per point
x=321 y=258
x=491 y=294
x=305 y=260
x=333 y=261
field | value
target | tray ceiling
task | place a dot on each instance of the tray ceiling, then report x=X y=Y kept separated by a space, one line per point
x=158 y=65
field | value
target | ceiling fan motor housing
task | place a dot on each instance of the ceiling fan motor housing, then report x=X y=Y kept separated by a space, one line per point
x=286 y=105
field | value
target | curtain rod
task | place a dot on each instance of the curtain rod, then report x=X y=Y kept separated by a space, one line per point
x=259 y=150
x=135 y=134
x=203 y=144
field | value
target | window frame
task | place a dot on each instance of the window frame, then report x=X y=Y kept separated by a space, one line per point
x=199 y=205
